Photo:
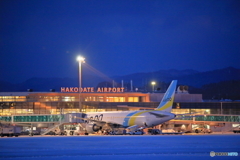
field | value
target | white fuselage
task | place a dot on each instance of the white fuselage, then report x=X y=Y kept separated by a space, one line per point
x=147 y=118
x=136 y=119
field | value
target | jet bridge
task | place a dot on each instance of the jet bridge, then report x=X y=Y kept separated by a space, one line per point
x=46 y=118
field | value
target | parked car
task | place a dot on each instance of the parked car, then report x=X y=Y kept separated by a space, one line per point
x=202 y=130
x=138 y=132
x=236 y=130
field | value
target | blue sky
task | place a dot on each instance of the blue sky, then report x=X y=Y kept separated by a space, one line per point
x=42 y=38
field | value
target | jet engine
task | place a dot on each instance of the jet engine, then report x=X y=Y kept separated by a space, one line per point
x=91 y=128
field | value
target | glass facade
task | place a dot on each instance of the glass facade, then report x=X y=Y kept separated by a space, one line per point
x=74 y=97
x=133 y=99
x=207 y=107
x=57 y=103
x=15 y=108
x=115 y=99
x=94 y=99
x=114 y=104
x=12 y=98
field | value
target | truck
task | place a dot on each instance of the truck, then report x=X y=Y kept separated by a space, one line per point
x=9 y=130
x=236 y=130
x=154 y=131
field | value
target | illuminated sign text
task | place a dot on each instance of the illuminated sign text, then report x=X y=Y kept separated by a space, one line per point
x=92 y=89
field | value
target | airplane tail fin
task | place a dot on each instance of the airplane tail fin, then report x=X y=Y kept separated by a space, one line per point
x=168 y=98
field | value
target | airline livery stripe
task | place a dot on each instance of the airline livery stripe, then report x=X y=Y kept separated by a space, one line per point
x=168 y=98
x=126 y=119
x=134 y=117
x=165 y=106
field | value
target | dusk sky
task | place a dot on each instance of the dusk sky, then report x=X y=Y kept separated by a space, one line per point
x=42 y=38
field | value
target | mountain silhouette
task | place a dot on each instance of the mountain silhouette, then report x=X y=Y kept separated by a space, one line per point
x=189 y=77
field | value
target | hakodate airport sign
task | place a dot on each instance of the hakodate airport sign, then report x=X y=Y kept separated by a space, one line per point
x=92 y=89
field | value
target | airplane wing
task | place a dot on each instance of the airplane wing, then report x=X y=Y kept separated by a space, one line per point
x=132 y=127
x=111 y=124
x=88 y=119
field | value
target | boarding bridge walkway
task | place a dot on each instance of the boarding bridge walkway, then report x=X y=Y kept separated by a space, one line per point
x=70 y=118
x=43 y=118
x=220 y=118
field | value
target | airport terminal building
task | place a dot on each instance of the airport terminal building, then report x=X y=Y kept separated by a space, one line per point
x=12 y=103
x=216 y=114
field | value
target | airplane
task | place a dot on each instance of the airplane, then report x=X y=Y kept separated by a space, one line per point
x=134 y=120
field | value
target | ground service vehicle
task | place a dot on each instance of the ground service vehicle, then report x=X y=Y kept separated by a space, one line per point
x=9 y=130
x=138 y=132
x=236 y=130
x=154 y=131
x=202 y=130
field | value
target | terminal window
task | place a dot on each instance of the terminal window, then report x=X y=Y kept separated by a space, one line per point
x=12 y=98
x=115 y=99
x=133 y=99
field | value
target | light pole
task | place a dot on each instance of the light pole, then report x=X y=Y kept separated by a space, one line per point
x=221 y=108
x=153 y=83
x=80 y=61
